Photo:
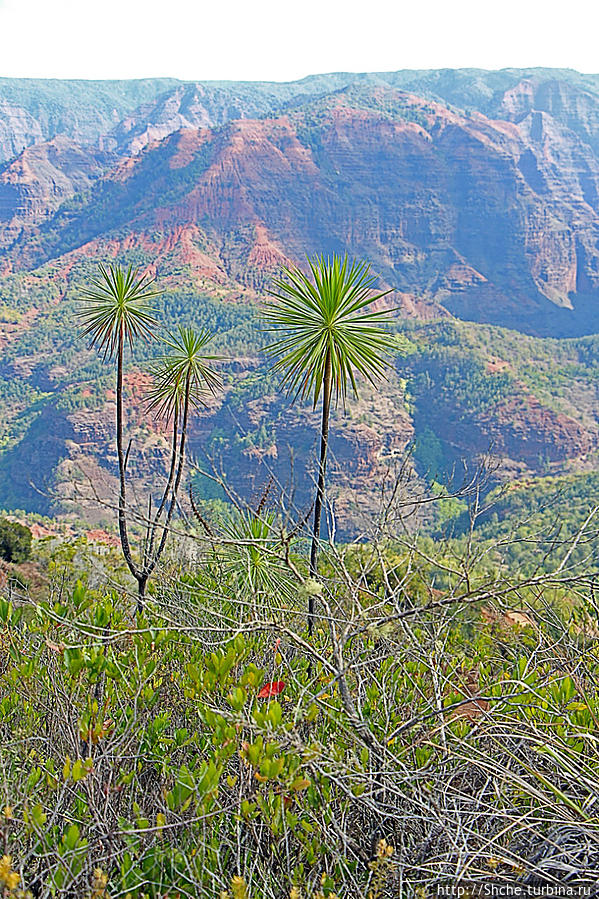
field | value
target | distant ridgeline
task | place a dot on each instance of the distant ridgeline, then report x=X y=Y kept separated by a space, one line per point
x=474 y=194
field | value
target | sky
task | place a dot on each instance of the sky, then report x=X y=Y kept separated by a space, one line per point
x=277 y=40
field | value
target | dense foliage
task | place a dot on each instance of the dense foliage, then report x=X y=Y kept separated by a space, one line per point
x=15 y=541
x=426 y=735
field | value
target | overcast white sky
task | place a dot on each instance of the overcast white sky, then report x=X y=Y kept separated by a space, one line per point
x=277 y=40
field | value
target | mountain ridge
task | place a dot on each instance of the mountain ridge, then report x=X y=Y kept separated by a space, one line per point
x=486 y=211
x=442 y=178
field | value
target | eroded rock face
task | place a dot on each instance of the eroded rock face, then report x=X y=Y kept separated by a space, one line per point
x=37 y=110
x=18 y=129
x=518 y=429
x=42 y=177
x=523 y=429
x=271 y=441
x=494 y=219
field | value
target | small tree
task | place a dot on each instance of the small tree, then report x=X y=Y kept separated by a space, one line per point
x=329 y=334
x=182 y=379
x=117 y=312
x=15 y=541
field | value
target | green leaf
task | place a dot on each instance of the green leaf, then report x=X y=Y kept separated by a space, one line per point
x=38 y=815
x=117 y=309
x=326 y=324
x=71 y=837
x=183 y=377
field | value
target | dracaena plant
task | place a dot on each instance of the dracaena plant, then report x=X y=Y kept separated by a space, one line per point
x=117 y=310
x=327 y=335
x=183 y=378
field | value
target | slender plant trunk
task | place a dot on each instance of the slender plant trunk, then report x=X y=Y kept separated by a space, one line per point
x=175 y=488
x=324 y=440
x=142 y=582
x=151 y=555
x=122 y=460
x=153 y=524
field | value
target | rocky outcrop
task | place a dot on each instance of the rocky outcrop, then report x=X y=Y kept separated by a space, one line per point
x=42 y=177
x=37 y=110
x=522 y=428
x=18 y=129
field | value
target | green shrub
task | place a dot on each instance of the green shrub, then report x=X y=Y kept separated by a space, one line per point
x=15 y=541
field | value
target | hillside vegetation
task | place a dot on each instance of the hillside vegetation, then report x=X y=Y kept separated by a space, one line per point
x=438 y=728
x=298 y=585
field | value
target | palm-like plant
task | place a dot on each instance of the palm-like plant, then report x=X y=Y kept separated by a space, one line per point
x=182 y=379
x=328 y=335
x=251 y=560
x=184 y=374
x=117 y=310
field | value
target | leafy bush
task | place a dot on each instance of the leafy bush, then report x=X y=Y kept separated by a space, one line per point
x=433 y=731
x=15 y=541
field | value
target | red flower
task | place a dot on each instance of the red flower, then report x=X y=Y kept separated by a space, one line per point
x=271 y=689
